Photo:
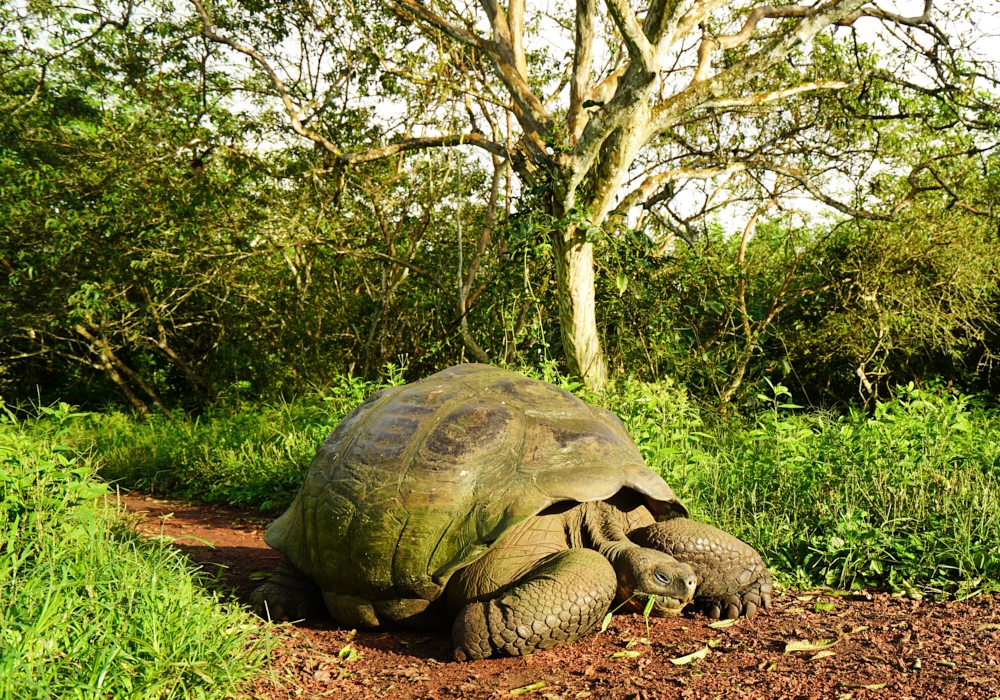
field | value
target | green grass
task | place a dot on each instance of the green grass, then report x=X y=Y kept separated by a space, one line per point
x=251 y=457
x=87 y=609
x=906 y=499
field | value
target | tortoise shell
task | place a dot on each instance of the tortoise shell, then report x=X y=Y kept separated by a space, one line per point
x=423 y=479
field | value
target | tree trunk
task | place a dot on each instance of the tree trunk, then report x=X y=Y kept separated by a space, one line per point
x=574 y=258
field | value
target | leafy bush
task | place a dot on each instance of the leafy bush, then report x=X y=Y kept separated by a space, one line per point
x=89 y=609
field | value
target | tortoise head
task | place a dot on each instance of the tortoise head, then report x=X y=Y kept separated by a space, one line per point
x=645 y=573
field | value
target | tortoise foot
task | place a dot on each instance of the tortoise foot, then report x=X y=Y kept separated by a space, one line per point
x=733 y=580
x=745 y=603
x=287 y=595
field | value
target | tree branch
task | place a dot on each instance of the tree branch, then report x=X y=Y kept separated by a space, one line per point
x=708 y=45
x=294 y=115
x=639 y=49
x=644 y=192
x=515 y=17
x=803 y=180
x=586 y=10
x=411 y=10
x=534 y=119
x=422 y=142
x=774 y=95
x=752 y=66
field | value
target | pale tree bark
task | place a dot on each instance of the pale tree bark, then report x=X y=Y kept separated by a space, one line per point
x=614 y=112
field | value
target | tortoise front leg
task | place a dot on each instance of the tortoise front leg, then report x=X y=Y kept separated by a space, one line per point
x=557 y=602
x=732 y=578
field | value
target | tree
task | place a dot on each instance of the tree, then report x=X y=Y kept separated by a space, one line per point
x=681 y=95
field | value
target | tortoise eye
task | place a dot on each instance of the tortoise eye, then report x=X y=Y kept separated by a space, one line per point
x=662 y=578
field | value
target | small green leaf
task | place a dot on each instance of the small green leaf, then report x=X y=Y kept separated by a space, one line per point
x=605 y=622
x=528 y=688
x=824 y=607
x=349 y=653
x=693 y=656
x=621 y=281
x=260 y=575
x=627 y=654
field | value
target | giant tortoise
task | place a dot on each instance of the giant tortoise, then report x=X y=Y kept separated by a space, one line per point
x=503 y=504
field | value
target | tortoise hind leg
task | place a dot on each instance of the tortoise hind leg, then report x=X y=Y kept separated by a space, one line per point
x=732 y=578
x=558 y=601
x=287 y=595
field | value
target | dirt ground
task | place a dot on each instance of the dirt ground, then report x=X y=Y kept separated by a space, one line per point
x=854 y=647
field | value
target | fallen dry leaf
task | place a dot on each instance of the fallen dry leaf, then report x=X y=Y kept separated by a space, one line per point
x=528 y=688
x=723 y=624
x=693 y=656
x=806 y=645
x=822 y=655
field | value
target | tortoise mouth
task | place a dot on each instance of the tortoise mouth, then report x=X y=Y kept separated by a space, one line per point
x=663 y=605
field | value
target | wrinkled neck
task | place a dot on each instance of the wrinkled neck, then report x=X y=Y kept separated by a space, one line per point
x=605 y=531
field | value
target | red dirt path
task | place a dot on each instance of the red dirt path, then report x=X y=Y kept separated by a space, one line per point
x=886 y=648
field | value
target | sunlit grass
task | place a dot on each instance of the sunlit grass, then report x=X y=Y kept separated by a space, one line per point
x=87 y=609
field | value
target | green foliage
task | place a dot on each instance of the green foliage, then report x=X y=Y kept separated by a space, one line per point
x=89 y=609
x=906 y=498
x=255 y=456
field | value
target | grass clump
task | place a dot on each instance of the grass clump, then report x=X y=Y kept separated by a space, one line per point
x=88 y=609
x=905 y=498
x=255 y=456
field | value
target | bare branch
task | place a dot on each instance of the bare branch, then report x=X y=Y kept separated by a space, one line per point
x=294 y=114
x=774 y=95
x=708 y=45
x=806 y=183
x=410 y=10
x=738 y=76
x=422 y=142
x=921 y=21
x=644 y=192
x=586 y=10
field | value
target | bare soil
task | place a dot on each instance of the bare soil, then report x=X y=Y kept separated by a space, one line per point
x=879 y=646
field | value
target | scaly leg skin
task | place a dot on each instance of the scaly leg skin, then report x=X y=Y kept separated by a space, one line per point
x=287 y=595
x=732 y=578
x=557 y=602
